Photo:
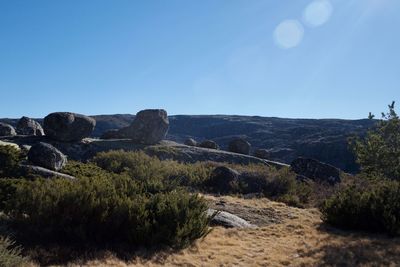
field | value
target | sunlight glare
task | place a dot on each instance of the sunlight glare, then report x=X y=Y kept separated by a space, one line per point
x=289 y=34
x=317 y=13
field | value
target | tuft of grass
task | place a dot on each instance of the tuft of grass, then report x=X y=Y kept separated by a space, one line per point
x=10 y=253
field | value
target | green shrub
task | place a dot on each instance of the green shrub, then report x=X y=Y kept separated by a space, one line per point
x=379 y=152
x=371 y=201
x=150 y=169
x=105 y=209
x=370 y=205
x=9 y=160
x=10 y=254
x=279 y=185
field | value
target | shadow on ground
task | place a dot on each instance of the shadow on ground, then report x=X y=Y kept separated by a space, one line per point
x=344 y=248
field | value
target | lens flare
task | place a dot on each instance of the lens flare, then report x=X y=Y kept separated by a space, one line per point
x=289 y=34
x=317 y=13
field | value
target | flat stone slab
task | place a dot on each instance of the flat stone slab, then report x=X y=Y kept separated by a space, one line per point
x=46 y=173
x=229 y=220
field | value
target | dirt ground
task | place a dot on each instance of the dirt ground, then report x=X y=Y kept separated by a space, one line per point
x=286 y=236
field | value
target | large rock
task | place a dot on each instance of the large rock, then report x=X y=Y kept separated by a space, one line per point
x=226 y=219
x=262 y=153
x=240 y=146
x=209 y=144
x=6 y=130
x=149 y=127
x=190 y=142
x=223 y=179
x=68 y=127
x=27 y=126
x=47 y=156
x=316 y=170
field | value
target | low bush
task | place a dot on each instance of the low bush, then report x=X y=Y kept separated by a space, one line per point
x=368 y=204
x=10 y=253
x=10 y=158
x=105 y=209
x=276 y=184
x=150 y=169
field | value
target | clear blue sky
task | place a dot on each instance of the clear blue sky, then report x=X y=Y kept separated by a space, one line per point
x=198 y=57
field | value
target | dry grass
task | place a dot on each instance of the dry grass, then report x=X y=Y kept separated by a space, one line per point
x=295 y=237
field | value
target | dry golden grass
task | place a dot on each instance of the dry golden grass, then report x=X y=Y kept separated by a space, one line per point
x=296 y=238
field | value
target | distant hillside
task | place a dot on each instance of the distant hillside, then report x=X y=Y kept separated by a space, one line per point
x=325 y=140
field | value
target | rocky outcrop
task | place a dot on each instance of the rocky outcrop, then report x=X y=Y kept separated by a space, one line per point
x=190 y=142
x=262 y=153
x=209 y=144
x=68 y=127
x=7 y=130
x=149 y=127
x=27 y=126
x=47 y=156
x=240 y=146
x=226 y=219
x=316 y=170
x=223 y=179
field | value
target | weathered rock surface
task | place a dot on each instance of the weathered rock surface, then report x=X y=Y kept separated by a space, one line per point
x=190 y=142
x=240 y=146
x=68 y=127
x=7 y=130
x=28 y=126
x=47 y=156
x=316 y=170
x=262 y=153
x=229 y=220
x=209 y=144
x=149 y=127
x=223 y=179
x=43 y=172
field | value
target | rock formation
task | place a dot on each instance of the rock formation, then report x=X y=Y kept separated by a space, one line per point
x=262 y=153
x=47 y=156
x=68 y=127
x=27 y=126
x=6 y=130
x=223 y=179
x=149 y=127
x=240 y=146
x=209 y=144
x=190 y=142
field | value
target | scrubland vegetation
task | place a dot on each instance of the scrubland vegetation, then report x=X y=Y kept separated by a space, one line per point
x=371 y=201
x=129 y=198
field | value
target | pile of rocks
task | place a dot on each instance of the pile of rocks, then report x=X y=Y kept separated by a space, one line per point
x=28 y=126
x=62 y=131
x=25 y=126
